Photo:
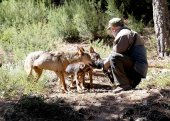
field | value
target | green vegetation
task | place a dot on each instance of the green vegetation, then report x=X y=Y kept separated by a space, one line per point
x=156 y=79
x=14 y=83
x=103 y=49
x=30 y=25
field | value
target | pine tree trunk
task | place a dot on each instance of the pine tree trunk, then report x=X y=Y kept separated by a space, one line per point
x=161 y=25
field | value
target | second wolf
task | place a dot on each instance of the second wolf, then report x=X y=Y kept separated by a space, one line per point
x=78 y=70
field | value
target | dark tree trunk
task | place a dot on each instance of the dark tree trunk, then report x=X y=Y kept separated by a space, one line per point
x=161 y=25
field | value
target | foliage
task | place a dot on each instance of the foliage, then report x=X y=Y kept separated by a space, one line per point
x=156 y=79
x=151 y=47
x=30 y=38
x=13 y=82
x=112 y=9
x=23 y=12
x=88 y=19
x=141 y=10
x=134 y=24
x=100 y=47
x=61 y=21
x=115 y=10
x=78 y=19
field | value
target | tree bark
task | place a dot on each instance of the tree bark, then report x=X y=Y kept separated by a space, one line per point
x=161 y=25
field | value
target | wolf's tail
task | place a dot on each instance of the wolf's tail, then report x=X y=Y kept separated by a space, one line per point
x=28 y=65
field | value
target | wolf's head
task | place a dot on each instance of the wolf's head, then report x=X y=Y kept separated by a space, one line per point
x=85 y=57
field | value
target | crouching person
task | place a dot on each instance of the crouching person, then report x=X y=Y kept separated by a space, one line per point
x=127 y=64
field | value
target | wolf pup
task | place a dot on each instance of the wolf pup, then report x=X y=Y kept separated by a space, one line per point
x=78 y=70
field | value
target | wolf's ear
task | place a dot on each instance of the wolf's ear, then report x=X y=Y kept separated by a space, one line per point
x=80 y=50
x=91 y=50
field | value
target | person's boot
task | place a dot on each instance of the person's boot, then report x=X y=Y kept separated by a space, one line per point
x=136 y=83
x=122 y=88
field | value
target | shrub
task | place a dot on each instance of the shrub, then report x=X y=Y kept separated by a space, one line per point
x=88 y=19
x=113 y=11
x=135 y=25
x=61 y=21
x=30 y=38
x=16 y=12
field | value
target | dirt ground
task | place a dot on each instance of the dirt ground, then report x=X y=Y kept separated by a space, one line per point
x=96 y=104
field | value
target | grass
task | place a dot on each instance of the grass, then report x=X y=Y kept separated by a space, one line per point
x=101 y=48
x=156 y=78
x=13 y=82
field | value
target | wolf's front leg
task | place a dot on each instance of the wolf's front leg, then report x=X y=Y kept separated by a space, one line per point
x=91 y=78
x=82 y=80
x=77 y=82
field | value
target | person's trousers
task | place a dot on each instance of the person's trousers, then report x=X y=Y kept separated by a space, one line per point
x=122 y=70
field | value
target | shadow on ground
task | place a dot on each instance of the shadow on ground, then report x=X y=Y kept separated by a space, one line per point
x=153 y=108
x=118 y=107
x=33 y=108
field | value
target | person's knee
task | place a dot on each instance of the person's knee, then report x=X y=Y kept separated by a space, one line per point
x=114 y=59
x=115 y=56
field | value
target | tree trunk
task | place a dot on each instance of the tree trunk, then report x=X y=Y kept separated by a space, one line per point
x=161 y=25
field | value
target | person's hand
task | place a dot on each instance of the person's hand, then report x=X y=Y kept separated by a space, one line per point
x=97 y=64
x=109 y=74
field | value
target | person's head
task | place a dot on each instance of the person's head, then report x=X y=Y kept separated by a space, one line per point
x=114 y=25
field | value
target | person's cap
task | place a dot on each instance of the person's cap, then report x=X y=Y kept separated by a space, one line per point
x=115 y=22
